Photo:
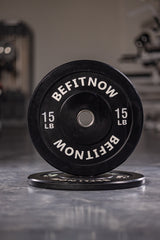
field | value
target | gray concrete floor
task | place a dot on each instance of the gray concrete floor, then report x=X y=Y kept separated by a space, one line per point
x=32 y=213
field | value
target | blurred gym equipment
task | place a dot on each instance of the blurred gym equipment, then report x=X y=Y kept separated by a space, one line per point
x=16 y=71
x=147 y=82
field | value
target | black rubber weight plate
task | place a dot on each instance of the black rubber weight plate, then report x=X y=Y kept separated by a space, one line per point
x=108 y=181
x=75 y=89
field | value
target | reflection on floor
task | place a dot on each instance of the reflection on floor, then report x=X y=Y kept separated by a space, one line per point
x=32 y=213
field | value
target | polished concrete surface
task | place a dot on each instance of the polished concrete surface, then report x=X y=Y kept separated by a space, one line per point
x=30 y=213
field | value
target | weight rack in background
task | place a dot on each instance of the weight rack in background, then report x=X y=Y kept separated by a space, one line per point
x=16 y=71
x=147 y=80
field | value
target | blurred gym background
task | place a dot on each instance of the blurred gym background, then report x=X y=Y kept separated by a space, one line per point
x=36 y=36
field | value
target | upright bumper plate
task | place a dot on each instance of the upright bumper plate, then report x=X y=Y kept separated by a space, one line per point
x=85 y=118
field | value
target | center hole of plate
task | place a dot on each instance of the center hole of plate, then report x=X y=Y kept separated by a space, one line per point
x=85 y=118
